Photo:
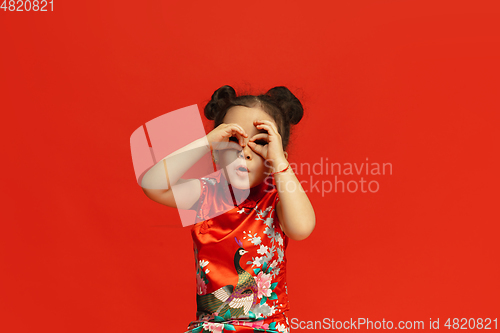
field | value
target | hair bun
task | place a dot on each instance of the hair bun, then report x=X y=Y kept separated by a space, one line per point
x=220 y=99
x=288 y=103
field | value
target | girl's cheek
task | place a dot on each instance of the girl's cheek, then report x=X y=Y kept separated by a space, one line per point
x=228 y=156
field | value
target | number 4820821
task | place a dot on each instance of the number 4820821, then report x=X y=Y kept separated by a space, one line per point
x=27 y=5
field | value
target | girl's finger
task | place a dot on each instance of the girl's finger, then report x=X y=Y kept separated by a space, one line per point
x=237 y=130
x=242 y=130
x=261 y=150
x=269 y=129
x=260 y=136
x=239 y=137
x=268 y=122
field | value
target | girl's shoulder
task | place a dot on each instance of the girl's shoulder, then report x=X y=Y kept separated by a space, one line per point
x=209 y=184
x=213 y=178
x=214 y=197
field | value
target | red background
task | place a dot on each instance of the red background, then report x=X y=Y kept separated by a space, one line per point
x=412 y=83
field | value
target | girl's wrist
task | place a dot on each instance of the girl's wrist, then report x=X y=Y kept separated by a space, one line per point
x=279 y=166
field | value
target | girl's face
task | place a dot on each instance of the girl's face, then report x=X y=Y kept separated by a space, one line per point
x=231 y=159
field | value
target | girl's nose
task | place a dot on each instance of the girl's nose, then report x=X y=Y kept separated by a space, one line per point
x=245 y=153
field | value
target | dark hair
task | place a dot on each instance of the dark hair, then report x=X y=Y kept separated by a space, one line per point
x=278 y=102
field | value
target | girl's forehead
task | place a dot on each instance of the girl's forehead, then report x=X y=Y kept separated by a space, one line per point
x=245 y=117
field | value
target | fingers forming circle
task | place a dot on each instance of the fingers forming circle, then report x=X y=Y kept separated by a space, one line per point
x=261 y=150
x=258 y=136
x=270 y=123
x=238 y=131
x=269 y=129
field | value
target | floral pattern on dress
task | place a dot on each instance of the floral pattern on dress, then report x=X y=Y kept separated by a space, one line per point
x=201 y=275
x=267 y=253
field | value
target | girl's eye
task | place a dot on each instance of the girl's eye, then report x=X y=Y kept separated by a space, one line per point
x=261 y=142
x=233 y=138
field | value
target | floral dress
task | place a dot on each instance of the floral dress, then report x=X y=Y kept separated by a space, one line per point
x=240 y=260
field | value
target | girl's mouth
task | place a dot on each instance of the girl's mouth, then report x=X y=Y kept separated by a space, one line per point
x=242 y=171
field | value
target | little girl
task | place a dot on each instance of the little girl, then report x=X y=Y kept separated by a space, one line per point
x=245 y=212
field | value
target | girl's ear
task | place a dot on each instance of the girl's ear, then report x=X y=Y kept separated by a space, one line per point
x=286 y=155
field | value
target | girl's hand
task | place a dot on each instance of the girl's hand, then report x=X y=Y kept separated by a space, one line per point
x=273 y=150
x=227 y=136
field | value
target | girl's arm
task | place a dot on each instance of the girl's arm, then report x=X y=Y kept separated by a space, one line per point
x=158 y=181
x=295 y=212
x=294 y=209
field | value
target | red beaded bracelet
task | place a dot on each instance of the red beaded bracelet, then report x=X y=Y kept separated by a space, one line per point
x=281 y=170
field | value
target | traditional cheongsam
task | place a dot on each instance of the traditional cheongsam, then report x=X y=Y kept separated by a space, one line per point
x=240 y=260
